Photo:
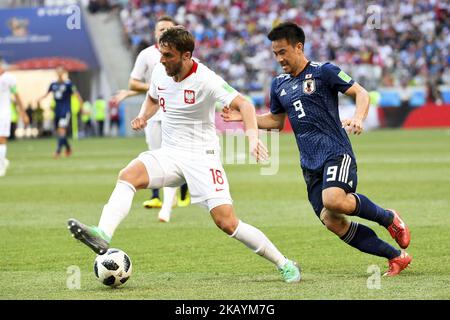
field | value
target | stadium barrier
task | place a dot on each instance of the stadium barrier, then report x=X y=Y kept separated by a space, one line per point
x=429 y=116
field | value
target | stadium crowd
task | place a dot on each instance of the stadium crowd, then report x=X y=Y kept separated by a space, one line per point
x=388 y=43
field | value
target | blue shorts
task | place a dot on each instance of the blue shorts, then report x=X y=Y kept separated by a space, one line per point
x=62 y=121
x=340 y=171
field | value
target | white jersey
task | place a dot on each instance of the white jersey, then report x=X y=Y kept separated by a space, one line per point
x=143 y=68
x=188 y=107
x=7 y=86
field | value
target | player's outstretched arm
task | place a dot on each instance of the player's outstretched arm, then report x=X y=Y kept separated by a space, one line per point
x=137 y=85
x=355 y=124
x=265 y=121
x=122 y=95
x=248 y=114
x=148 y=109
x=43 y=97
x=271 y=121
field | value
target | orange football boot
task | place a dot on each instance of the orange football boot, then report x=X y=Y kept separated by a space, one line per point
x=399 y=231
x=398 y=264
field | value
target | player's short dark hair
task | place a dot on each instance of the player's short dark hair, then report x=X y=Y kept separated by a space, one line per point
x=178 y=37
x=167 y=18
x=289 y=31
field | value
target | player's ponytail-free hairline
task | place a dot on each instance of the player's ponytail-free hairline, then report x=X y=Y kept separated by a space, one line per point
x=178 y=37
x=289 y=31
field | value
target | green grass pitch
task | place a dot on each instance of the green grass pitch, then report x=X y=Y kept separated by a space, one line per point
x=190 y=258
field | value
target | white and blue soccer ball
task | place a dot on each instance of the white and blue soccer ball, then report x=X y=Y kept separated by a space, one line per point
x=113 y=268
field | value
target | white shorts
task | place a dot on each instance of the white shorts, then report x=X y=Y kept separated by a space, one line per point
x=153 y=134
x=203 y=173
x=5 y=127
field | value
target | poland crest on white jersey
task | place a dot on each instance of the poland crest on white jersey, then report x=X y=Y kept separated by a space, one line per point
x=188 y=107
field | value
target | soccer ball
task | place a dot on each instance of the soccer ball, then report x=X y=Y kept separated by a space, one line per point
x=113 y=268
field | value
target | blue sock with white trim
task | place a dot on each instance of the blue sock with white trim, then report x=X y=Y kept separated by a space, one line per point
x=66 y=143
x=365 y=239
x=366 y=209
x=60 y=144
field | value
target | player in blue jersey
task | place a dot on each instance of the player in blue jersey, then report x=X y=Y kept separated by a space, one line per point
x=307 y=93
x=62 y=90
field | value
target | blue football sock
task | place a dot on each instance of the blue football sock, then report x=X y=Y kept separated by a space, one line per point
x=366 y=209
x=66 y=143
x=365 y=239
x=155 y=193
x=60 y=144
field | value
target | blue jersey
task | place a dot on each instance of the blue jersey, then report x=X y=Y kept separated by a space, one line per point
x=311 y=103
x=62 y=93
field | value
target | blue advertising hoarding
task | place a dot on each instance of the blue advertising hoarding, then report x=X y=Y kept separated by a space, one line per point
x=45 y=37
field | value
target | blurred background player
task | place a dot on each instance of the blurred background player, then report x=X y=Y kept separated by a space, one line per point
x=62 y=90
x=308 y=93
x=139 y=83
x=100 y=115
x=7 y=87
x=86 y=119
x=186 y=91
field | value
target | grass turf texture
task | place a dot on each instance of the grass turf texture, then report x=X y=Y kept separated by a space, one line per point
x=190 y=258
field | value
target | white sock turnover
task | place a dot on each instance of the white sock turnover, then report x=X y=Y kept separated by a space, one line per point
x=117 y=208
x=254 y=239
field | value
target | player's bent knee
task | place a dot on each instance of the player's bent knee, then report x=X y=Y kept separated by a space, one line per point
x=225 y=219
x=336 y=223
x=135 y=174
x=334 y=201
x=227 y=226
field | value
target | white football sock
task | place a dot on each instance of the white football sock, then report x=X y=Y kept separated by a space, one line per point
x=166 y=209
x=254 y=239
x=2 y=153
x=169 y=195
x=117 y=208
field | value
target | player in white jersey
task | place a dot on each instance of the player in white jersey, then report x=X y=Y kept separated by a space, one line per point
x=139 y=83
x=186 y=91
x=7 y=87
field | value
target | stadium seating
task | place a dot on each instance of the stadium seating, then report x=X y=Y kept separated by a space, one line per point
x=445 y=93
x=231 y=35
x=389 y=98
x=418 y=98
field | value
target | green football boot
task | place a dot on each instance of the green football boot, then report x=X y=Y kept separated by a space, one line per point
x=290 y=272
x=93 y=237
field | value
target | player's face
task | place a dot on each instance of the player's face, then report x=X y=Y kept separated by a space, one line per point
x=172 y=59
x=161 y=27
x=60 y=73
x=287 y=55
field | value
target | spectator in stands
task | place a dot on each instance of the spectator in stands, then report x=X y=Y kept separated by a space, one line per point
x=412 y=40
